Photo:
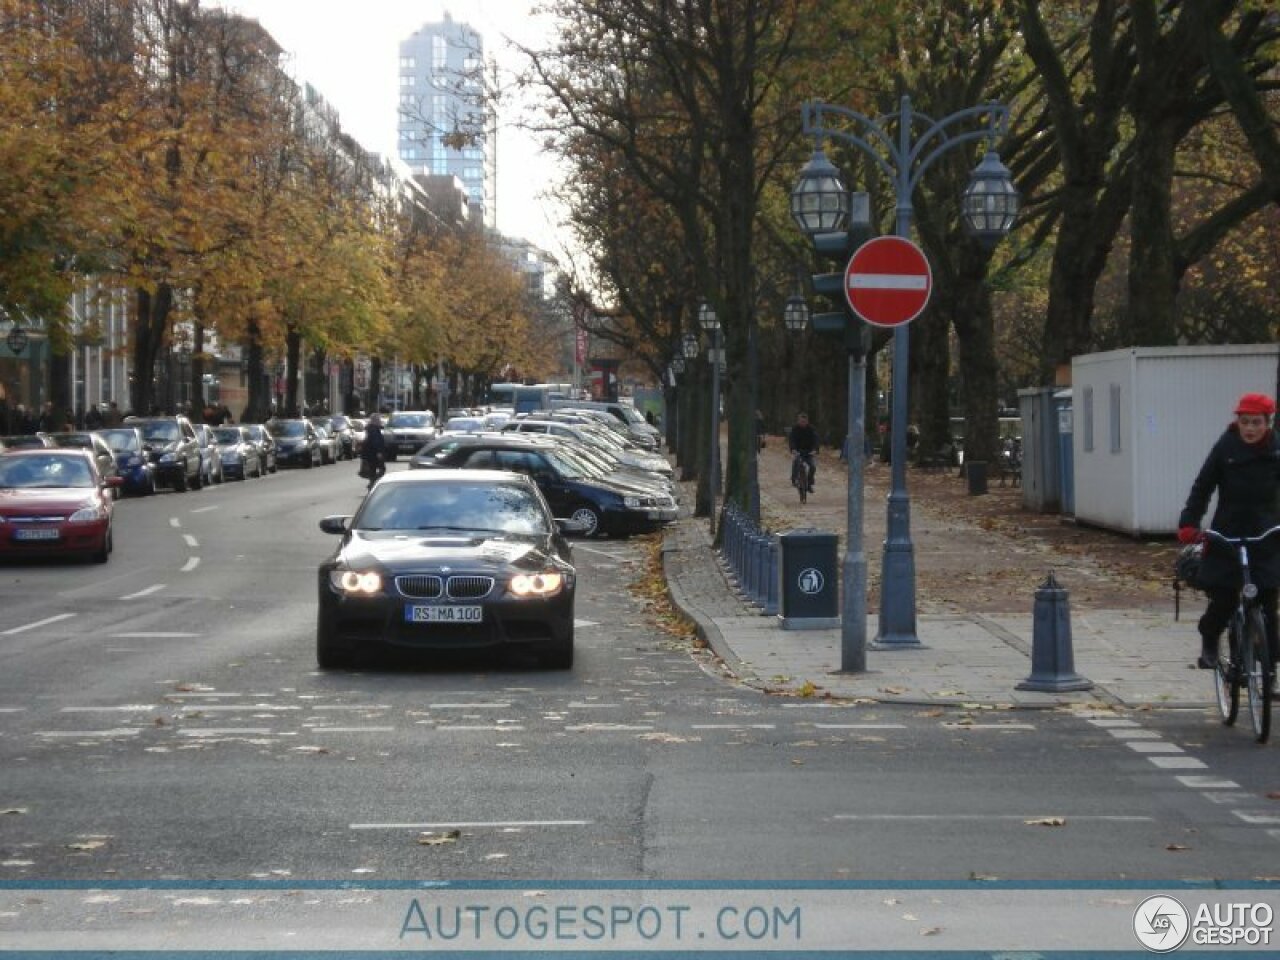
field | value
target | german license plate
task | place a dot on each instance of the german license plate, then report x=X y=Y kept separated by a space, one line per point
x=422 y=613
x=37 y=534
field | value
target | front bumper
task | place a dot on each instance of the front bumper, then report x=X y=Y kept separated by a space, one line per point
x=72 y=539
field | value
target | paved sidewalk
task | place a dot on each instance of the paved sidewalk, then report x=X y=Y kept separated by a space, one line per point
x=1136 y=658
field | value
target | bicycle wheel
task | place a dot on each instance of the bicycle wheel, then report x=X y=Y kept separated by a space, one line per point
x=1257 y=658
x=1226 y=678
x=798 y=479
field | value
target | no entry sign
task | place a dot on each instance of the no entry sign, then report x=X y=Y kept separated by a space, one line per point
x=888 y=281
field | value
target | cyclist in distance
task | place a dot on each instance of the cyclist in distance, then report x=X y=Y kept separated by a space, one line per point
x=802 y=440
x=374 y=451
x=1244 y=468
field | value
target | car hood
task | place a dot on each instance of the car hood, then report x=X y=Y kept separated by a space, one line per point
x=17 y=500
x=429 y=550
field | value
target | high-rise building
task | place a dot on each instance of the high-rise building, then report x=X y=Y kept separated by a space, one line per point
x=448 y=125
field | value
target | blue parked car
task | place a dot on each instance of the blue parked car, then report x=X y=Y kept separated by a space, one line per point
x=133 y=461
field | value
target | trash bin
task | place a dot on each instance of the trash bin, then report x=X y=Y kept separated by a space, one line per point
x=809 y=580
x=976 y=471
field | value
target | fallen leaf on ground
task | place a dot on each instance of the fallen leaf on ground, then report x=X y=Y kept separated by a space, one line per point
x=87 y=845
x=1176 y=846
x=433 y=839
x=1046 y=822
x=893 y=690
x=12 y=810
x=931 y=931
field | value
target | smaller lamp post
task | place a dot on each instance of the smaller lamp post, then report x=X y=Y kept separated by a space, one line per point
x=711 y=324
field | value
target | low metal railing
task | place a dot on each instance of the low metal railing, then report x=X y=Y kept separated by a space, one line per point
x=749 y=554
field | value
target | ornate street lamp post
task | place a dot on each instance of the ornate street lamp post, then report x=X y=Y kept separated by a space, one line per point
x=822 y=209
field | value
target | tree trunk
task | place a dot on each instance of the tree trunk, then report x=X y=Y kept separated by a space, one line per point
x=259 y=407
x=150 y=324
x=1150 y=320
x=970 y=307
x=293 y=357
x=931 y=379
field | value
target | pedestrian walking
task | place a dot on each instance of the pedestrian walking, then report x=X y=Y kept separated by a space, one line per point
x=373 y=455
x=1244 y=469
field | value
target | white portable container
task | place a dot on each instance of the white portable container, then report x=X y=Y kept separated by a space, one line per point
x=1144 y=420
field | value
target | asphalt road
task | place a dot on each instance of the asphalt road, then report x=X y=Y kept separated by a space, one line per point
x=161 y=717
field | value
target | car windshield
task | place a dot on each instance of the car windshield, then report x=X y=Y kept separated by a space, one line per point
x=409 y=420
x=45 y=472
x=459 y=424
x=163 y=431
x=227 y=435
x=290 y=428
x=498 y=508
x=569 y=468
x=122 y=440
x=631 y=416
x=81 y=440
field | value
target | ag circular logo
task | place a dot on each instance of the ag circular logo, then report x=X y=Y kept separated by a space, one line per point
x=811 y=581
x=1161 y=924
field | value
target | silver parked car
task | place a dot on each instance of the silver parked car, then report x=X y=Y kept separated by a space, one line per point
x=238 y=453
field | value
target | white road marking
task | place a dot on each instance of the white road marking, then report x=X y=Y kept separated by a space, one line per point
x=608 y=727
x=1143 y=746
x=1135 y=733
x=468 y=706
x=1178 y=763
x=478 y=727
x=123 y=708
x=860 y=726
x=13 y=709
x=239 y=707
x=208 y=693
x=604 y=553
x=115 y=732
x=470 y=825
x=1231 y=796
x=175 y=522
x=191 y=541
x=225 y=732
x=1202 y=782
x=732 y=726
x=143 y=593
x=191 y=564
x=39 y=623
x=1249 y=816
x=158 y=635
x=1111 y=722
x=351 y=729
x=204 y=509
x=584 y=705
x=585 y=623
x=354 y=706
x=989 y=726
x=1118 y=818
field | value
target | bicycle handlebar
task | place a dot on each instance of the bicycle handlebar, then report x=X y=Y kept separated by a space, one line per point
x=1237 y=541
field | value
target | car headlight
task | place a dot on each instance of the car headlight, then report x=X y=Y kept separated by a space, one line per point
x=88 y=515
x=357 y=582
x=637 y=503
x=544 y=584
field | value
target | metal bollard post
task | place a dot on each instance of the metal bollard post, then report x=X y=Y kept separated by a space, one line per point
x=760 y=585
x=1052 y=659
x=771 y=578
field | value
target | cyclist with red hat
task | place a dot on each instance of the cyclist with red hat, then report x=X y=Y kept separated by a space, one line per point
x=1244 y=468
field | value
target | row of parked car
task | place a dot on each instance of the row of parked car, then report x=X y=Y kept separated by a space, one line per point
x=57 y=489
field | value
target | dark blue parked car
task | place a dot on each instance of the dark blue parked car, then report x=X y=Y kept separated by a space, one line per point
x=132 y=460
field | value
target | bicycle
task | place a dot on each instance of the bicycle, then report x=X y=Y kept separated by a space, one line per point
x=802 y=474
x=1244 y=656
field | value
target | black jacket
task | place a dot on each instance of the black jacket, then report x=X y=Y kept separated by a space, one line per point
x=802 y=439
x=1247 y=479
x=375 y=444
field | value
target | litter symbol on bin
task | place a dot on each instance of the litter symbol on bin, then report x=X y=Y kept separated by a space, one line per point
x=811 y=581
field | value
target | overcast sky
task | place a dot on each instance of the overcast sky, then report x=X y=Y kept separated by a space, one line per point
x=349 y=51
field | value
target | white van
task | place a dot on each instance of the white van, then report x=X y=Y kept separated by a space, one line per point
x=642 y=432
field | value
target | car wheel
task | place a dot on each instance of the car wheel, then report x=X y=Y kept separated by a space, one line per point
x=180 y=482
x=589 y=517
x=101 y=555
x=557 y=656
x=330 y=655
x=311 y=462
x=197 y=481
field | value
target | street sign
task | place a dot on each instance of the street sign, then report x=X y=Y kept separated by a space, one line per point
x=888 y=281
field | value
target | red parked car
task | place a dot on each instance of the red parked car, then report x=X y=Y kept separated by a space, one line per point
x=54 y=502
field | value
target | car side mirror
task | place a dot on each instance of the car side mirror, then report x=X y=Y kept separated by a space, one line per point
x=335 y=524
x=570 y=525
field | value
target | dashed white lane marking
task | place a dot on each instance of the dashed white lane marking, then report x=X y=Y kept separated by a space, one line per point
x=502 y=705
x=733 y=726
x=191 y=564
x=1178 y=763
x=1228 y=797
x=860 y=726
x=205 y=509
x=351 y=729
x=1112 y=722
x=144 y=593
x=487 y=728
x=585 y=623
x=175 y=522
x=241 y=707
x=13 y=709
x=190 y=540
x=617 y=558
x=122 y=708
x=352 y=706
x=471 y=825
x=585 y=705
x=1015 y=727
x=1202 y=782
x=155 y=635
x=1256 y=817
x=37 y=625
x=114 y=732
x=1137 y=733
x=226 y=732
x=913 y=817
x=1150 y=746
x=609 y=728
